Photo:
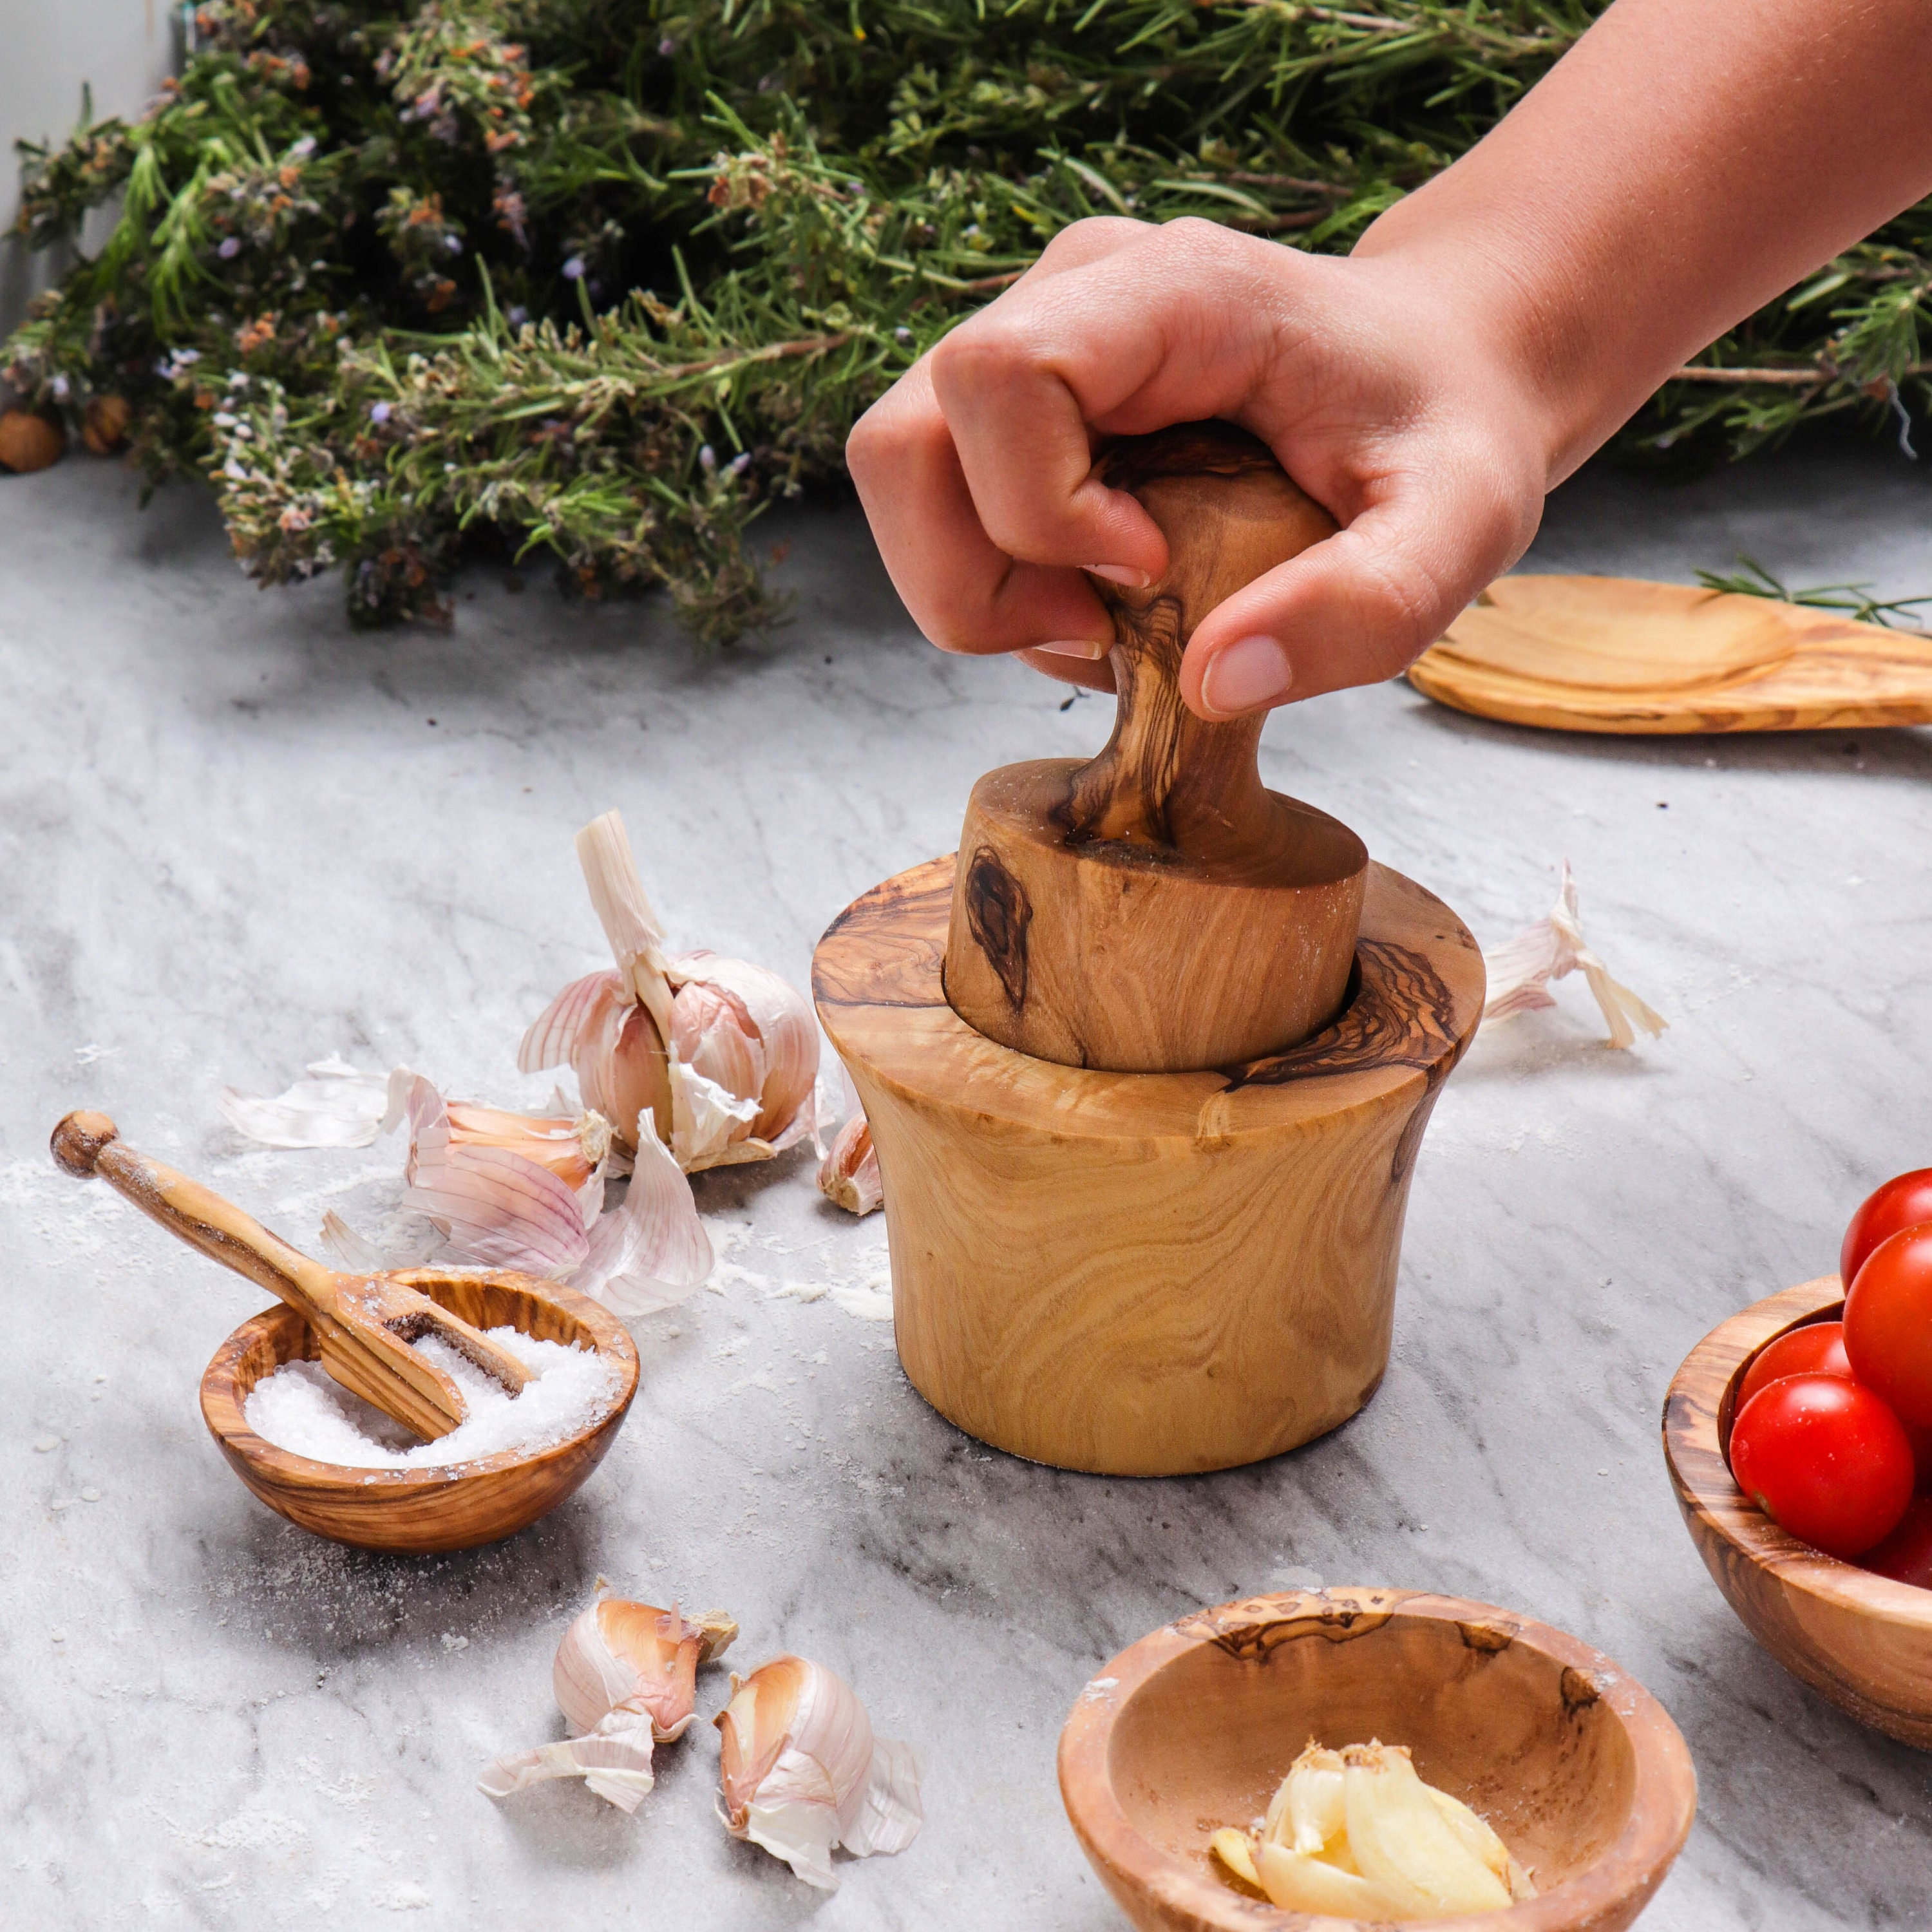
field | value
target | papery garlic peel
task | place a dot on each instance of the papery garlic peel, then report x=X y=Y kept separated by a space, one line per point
x=849 y=1175
x=723 y=1053
x=625 y=1678
x=1356 y=1834
x=801 y=1771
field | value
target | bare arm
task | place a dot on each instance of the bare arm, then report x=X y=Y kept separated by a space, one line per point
x=1686 y=160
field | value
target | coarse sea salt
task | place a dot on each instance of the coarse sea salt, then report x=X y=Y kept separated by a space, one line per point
x=299 y=1408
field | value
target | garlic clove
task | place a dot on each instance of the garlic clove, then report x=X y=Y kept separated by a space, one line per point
x=1476 y=1834
x=849 y=1175
x=572 y=1148
x=801 y=1771
x=1306 y=1812
x=496 y=1208
x=730 y=1014
x=1232 y=1849
x=625 y=1677
x=1299 y=1883
x=652 y=1253
x=710 y=1123
x=1402 y=1842
x=334 y=1106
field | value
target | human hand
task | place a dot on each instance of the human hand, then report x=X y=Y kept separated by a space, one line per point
x=1396 y=409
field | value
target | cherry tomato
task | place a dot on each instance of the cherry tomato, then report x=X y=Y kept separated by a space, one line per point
x=1825 y=1460
x=1889 y=1324
x=1818 y=1349
x=1904 y=1201
x=1906 y=1554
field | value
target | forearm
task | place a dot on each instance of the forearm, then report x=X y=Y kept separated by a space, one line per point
x=1683 y=163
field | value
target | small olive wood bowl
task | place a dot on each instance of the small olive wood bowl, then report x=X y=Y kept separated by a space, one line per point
x=1862 y=1640
x=1575 y=1764
x=415 y=1512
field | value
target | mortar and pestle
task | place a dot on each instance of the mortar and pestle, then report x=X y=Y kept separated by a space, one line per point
x=1148 y=1061
x=359 y=1327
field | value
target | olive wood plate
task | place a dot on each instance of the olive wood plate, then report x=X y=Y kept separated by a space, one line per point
x=1618 y=654
x=1573 y=1761
x=452 y=1506
x=1860 y=1639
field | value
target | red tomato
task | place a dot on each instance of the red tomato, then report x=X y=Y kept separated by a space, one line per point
x=1889 y=1324
x=1904 y=1201
x=1825 y=1460
x=1818 y=1349
x=1906 y=1554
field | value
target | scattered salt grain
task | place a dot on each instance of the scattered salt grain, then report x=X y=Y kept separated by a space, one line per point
x=90 y=1495
x=45 y=1444
x=300 y=1409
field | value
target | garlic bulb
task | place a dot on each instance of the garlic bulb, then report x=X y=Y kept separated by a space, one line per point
x=1520 y=971
x=724 y=1054
x=625 y=1678
x=1356 y=1834
x=801 y=1771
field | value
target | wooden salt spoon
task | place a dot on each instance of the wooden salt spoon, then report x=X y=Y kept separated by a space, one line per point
x=364 y=1323
x=1157 y=910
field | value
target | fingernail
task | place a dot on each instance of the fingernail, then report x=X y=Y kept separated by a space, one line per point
x=1250 y=671
x=1078 y=647
x=1119 y=573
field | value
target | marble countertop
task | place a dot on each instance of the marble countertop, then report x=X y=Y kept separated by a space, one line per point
x=235 y=837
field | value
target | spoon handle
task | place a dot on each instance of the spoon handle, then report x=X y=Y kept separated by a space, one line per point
x=88 y=1143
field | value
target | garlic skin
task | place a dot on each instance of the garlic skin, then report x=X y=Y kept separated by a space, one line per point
x=801 y=1771
x=1520 y=971
x=723 y=1054
x=334 y=1106
x=626 y=1678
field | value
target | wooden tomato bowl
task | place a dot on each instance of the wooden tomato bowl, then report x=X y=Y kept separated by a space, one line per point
x=1862 y=1640
x=1576 y=1765
x=414 y=1512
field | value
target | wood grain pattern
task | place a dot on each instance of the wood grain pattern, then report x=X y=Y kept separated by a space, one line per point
x=419 y=1511
x=1610 y=654
x=1157 y=909
x=1576 y=1766
x=364 y=1324
x=1862 y=1640
x=1144 y=1274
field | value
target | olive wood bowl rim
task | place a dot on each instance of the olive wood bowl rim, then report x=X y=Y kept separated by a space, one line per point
x=223 y=1412
x=1632 y=1865
x=1697 y=1431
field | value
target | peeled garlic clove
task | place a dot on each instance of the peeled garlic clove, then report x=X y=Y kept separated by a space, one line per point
x=652 y=1253
x=1306 y=1812
x=1232 y=1849
x=1475 y=1831
x=801 y=1771
x=1402 y=1842
x=849 y=1175
x=1298 y=1883
x=626 y=1676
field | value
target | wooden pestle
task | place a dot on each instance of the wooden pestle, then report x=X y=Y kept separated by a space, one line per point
x=364 y=1323
x=1157 y=909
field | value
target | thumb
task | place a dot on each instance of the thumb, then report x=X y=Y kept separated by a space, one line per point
x=1361 y=605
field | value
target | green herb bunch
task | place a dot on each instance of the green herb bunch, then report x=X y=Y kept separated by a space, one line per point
x=600 y=279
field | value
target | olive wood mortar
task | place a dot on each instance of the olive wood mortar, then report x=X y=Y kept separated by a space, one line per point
x=1147 y=1274
x=447 y=1506
x=365 y=1323
x=1576 y=1766
x=1157 y=910
x=1862 y=1640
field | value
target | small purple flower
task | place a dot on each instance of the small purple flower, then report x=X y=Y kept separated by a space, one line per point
x=454 y=246
x=667 y=46
x=707 y=459
x=379 y=412
x=229 y=249
x=573 y=268
x=517 y=315
x=737 y=466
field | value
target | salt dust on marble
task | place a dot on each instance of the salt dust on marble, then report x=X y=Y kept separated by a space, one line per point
x=301 y=1409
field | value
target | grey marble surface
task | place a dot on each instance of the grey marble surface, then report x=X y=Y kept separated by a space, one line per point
x=234 y=837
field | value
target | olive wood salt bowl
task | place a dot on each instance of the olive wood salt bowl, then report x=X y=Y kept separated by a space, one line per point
x=1860 y=1639
x=1578 y=1768
x=415 y=1512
